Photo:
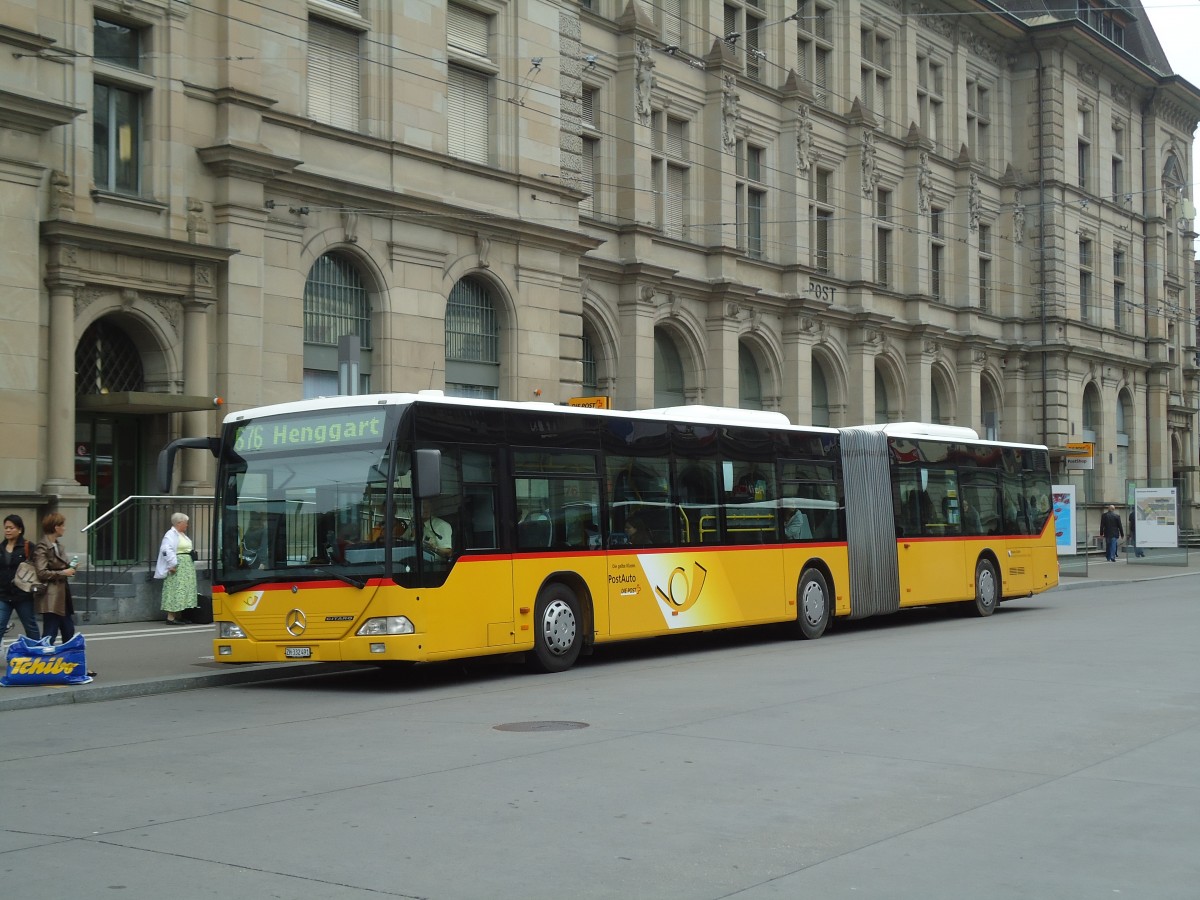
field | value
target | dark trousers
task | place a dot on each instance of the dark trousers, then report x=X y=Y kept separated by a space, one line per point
x=24 y=607
x=52 y=624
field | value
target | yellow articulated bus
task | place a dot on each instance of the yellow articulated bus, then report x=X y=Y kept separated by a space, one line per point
x=419 y=527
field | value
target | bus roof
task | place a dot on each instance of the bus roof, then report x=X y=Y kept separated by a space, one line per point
x=707 y=415
x=699 y=414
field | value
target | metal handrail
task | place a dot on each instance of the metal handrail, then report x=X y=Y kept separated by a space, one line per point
x=108 y=514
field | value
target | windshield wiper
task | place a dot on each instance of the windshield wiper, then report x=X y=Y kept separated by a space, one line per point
x=340 y=576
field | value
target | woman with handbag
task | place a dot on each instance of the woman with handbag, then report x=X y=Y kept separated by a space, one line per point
x=55 y=572
x=176 y=570
x=14 y=551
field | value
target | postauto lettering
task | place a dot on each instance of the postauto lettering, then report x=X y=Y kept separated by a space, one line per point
x=298 y=435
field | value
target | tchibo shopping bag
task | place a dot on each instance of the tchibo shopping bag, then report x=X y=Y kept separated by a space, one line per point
x=37 y=662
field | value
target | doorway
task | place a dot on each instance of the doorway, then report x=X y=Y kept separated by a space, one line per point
x=107 y=463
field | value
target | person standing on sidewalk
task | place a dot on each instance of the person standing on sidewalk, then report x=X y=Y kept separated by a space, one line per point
x=176 y=570
x=14 y=551
x=1132 y=542
x=1112 y=531
x=55 y=572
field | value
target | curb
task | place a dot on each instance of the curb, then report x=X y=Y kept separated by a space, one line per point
x=59 y=695
x=1077 y=582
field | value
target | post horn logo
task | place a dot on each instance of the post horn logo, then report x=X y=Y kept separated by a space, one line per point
x=682 y=593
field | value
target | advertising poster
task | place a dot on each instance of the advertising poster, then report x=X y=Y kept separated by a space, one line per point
x=1154 y=512
x=1064 y=518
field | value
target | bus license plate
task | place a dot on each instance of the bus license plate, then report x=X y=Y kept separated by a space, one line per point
x=297 y=652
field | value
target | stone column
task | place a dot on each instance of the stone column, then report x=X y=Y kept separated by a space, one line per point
x=970 y=363
x=60 y=399
x=919 y=359
x=635 y=386
x=197 y=383
x=799 y=334
x=722 y=325
x=862 y=377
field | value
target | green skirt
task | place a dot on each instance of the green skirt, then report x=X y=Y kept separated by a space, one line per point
x=179 y=588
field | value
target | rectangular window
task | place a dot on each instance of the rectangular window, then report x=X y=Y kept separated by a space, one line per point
x=1118 y=264
x=589 y=167
x=468 y=114
x=1085 y=279
x=883 y=254
x=930 y=102
x=469 y=90
x=1084 y=148
x=985 y=266
x=821 y=219
x=814 y=49
x=937 y=252
x=116 y=139
x=876 y=72
x=751 y=198
x=671 y=14
x=979 y=120
x=675 y=202
x=333 y=75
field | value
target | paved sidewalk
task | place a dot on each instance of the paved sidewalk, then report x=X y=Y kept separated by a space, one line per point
x=142 y=658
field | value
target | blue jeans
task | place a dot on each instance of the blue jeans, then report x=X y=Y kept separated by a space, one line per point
x=23 y=604
x=1111 y=553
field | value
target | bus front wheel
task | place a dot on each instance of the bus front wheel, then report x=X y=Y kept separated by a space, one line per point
x=558 y=636
x=987 y=588
x=812 y=605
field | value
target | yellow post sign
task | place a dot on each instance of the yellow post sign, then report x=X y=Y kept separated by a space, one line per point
x=1081 y=456
x=589 y=402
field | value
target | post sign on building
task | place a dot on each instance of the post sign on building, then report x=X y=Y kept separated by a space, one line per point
x=1080 y=457
x=589 y=402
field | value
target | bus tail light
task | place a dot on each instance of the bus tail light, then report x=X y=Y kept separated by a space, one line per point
x=386 y=625
x=226 y=630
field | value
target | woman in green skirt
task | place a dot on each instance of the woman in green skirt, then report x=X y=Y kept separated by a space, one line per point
x=176 y=570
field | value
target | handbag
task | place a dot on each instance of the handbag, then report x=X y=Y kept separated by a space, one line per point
x=27 y=579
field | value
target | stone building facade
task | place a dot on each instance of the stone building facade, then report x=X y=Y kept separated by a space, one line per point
x=847 y=211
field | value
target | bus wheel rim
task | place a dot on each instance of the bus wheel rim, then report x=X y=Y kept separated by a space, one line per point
x=987 y=587
x=558 y=627
x=813 y=603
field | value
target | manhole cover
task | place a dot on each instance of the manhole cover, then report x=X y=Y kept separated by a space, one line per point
x=540 y=726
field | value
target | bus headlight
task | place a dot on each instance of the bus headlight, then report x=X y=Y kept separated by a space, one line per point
x=386 y=625
x=229 y=630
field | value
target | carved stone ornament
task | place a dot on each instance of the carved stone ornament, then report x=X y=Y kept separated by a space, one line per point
x=755 y=321
x=483 y=245
x=1018 y=219
x=806 y=153
x=350 y=225
x=979 y=357
x=129 y=296
x=203 y=276
x=646 y=293
x=169 y=308
x=732 y=310
x=61 y=196
x=931 y=348
x=197 y=224
x=924 y=183
x=974 y=202
x=729 y=112
x=870 y=172
x=1088 y=75
x=644 y=80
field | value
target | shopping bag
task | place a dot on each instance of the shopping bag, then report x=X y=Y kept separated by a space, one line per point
x=37 y=662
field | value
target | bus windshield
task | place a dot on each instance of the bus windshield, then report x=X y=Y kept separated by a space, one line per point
x=305 y=497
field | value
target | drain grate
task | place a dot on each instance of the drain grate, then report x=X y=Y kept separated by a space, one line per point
x=540 y=726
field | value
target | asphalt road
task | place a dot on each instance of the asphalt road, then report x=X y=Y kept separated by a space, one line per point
x=1049 y=751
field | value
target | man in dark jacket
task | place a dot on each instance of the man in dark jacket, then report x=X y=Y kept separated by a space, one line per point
x=1112 y=531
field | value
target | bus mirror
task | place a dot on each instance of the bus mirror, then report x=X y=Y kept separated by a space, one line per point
x=166 y=457
x=429 y=473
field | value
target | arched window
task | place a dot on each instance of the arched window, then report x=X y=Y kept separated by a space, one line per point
x=989 y=412
x=472 y=342
x=668 y=372
x=591 y=376
x=1124 y=415
x=106 y=361
x=1091 y=431
x=336 y=304
x=820 y=396
x=881 y=399
x=749 y=381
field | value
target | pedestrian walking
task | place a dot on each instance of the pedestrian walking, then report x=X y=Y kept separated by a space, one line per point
x=1111 y=531
x=176 y=570
x=55 y=571
x=14 y=551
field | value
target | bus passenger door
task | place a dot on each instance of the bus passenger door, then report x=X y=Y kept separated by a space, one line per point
x=930 y=549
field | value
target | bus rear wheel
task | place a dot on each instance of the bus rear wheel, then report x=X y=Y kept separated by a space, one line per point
x=812 y=606
x=558 y=635
x=987 y=588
